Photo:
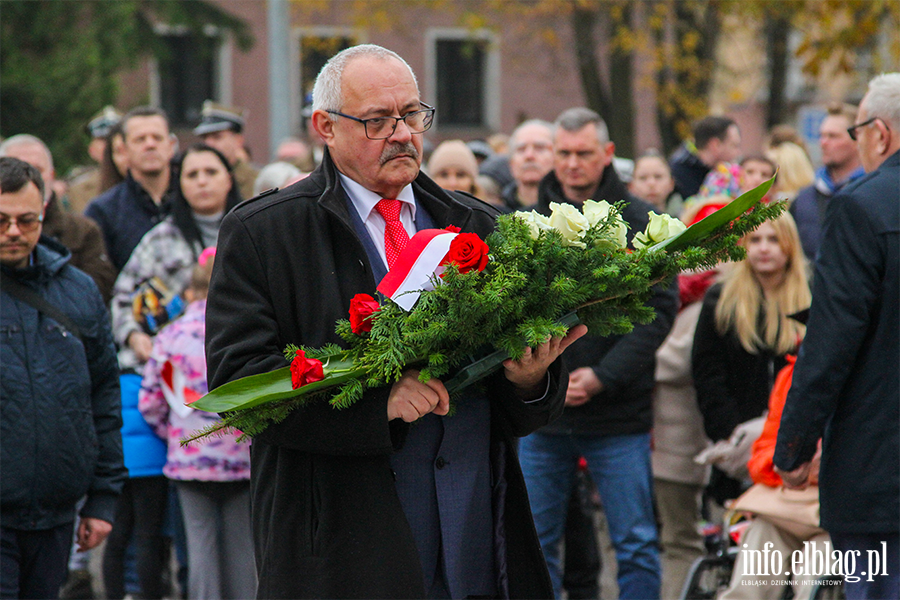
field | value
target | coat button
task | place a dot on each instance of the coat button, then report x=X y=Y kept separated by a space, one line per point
x=440 y=462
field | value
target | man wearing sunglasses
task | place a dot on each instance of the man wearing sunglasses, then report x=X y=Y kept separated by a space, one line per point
x=840 y=166
x=59 y=427
x=846 y=386
x=362 y=502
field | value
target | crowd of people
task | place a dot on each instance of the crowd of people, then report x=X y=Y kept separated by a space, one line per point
x=111 y=276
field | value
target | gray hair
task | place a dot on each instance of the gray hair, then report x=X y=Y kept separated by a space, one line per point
x=883 y=99
x=25 y=139
x=529 y=123
x=327 y=89
x=575 y=119
x=275 y=175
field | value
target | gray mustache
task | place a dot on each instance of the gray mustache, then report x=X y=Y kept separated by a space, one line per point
x=395 y=150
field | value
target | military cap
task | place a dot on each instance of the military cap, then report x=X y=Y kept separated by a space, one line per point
x=217 y=117
x=101 y=123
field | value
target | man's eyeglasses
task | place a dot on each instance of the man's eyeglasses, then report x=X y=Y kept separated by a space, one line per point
x=852 y=130
x=26 y=223
x=380 y=128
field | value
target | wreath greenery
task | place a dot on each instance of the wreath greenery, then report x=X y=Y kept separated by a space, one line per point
x=538 y=282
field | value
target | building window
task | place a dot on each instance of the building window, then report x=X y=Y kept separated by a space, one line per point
x=187 y=73
x=461 y=65
x=460 y=80
x=313 y=48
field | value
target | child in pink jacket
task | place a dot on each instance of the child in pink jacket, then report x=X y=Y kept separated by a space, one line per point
x=212 y=477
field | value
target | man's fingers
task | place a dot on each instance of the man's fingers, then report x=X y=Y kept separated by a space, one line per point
x=574 y=333
x=442 y=407
x=438 y=386
x=554 y=346
x=576 y=399
x=411 y=399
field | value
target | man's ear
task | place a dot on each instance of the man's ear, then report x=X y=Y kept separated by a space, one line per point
x=884 y=137
x=609 y=151
x=324 y=126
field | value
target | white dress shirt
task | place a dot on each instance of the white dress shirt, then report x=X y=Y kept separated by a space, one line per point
x=364 y=201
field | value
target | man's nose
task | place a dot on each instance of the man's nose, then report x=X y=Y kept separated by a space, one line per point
x=401 y=132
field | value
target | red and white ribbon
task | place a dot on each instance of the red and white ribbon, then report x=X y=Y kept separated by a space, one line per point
x=175 y=390
x=416 y=266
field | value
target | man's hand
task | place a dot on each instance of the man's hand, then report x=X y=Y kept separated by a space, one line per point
x=583 y=385
x=798 y=479
x=410 y=399
x=815 y=463
x=91 y=532
x=528 y=372
x=141 y=344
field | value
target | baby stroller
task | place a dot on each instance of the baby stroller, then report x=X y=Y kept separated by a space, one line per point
x=711 y=574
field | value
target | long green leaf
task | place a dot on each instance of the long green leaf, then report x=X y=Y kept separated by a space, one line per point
x=253 y=390
x=701 y=230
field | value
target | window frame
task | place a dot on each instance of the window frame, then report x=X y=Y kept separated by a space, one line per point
x=491 y=86
x=296 y=63
x=222 y=65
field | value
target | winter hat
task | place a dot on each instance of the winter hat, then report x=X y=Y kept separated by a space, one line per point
x=453 y=153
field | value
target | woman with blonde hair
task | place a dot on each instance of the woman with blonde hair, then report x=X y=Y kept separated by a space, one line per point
x=795 y=172
x=741 y=340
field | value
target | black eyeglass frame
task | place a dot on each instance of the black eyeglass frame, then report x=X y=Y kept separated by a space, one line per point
x=429 y=120
x=851 y=131
x=29 y=225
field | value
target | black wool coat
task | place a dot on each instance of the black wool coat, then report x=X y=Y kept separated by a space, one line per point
x=846 y=386
x=326 y=517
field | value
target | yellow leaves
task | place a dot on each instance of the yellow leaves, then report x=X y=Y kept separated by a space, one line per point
x=690 y=41
x=549 y=36
x=474 y=20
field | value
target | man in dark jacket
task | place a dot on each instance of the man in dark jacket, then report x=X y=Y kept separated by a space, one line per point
x=846 y=386
x=840 y=166
x=357 y=503
x=716 y=139
x=81 y=236
x=130 y=209
x=608 y=411
x=60 y=420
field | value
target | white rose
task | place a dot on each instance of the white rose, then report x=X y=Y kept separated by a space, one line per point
x=620 y=233
x=536 y=222
x=569 y=222
x=595 y=212
x=659 y=229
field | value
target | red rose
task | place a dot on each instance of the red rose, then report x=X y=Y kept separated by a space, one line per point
x=452 y=228
x=305 y=370
x=362 y=307
x=467 y=252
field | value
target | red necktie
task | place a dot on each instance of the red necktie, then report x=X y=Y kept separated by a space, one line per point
x=395 y=236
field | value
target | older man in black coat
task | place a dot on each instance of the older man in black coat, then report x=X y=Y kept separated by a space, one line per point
x=357 y=502
x=846 y=382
